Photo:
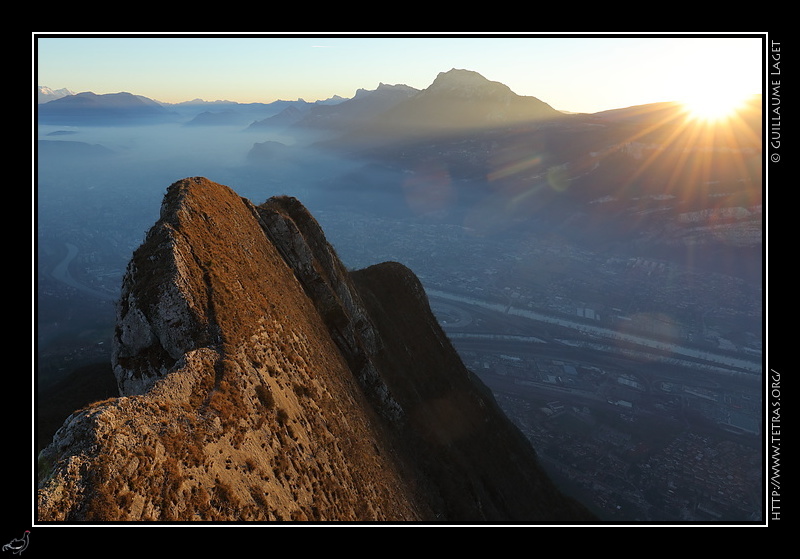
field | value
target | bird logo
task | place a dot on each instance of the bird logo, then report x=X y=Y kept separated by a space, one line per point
x=18 y=545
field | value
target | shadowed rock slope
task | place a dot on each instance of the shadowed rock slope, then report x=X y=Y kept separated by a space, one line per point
x=261 y=381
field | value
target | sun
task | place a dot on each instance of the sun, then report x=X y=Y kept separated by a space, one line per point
x=713 y=105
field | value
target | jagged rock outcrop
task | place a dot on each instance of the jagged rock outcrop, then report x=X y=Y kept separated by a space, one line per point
x=260 y=380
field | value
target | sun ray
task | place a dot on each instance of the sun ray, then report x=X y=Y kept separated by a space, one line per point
x=691 y=159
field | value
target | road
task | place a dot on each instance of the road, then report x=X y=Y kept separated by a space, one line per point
x=605 y=335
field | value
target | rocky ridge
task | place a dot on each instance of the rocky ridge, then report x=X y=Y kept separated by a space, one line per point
x=260 y=380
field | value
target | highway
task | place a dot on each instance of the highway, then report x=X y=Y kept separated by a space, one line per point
x=600 y=336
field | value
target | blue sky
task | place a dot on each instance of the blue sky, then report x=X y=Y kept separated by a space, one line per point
x=572 y=73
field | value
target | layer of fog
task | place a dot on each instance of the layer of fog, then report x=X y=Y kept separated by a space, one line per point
x=99 y=190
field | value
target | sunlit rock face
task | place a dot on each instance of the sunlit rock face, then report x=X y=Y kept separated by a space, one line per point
x=260 y=380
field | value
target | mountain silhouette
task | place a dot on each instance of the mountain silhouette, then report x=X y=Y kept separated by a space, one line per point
x=89 y=108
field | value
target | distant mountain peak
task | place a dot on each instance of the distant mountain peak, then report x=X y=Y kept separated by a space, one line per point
x=475 y=88
x=45 y=94
x=466 y=81
x=384 y=88
x=458 y=100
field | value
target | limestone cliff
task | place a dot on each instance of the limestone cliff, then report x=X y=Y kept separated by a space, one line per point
x=260 y=380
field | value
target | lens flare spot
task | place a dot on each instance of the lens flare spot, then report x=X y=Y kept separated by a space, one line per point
x=557 y=178
x=505 y=169
x=660 y=328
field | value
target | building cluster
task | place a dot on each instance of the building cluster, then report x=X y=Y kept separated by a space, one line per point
x=666 y=477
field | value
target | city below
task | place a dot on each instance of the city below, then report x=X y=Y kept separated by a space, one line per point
x=643 y=410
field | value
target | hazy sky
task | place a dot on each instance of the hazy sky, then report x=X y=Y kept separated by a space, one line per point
x=569 y=73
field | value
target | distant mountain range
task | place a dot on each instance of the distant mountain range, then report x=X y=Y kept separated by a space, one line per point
x=448 y=104
x=610 y=165
x=111 y=109
x=345 y=115
x=63 y=107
